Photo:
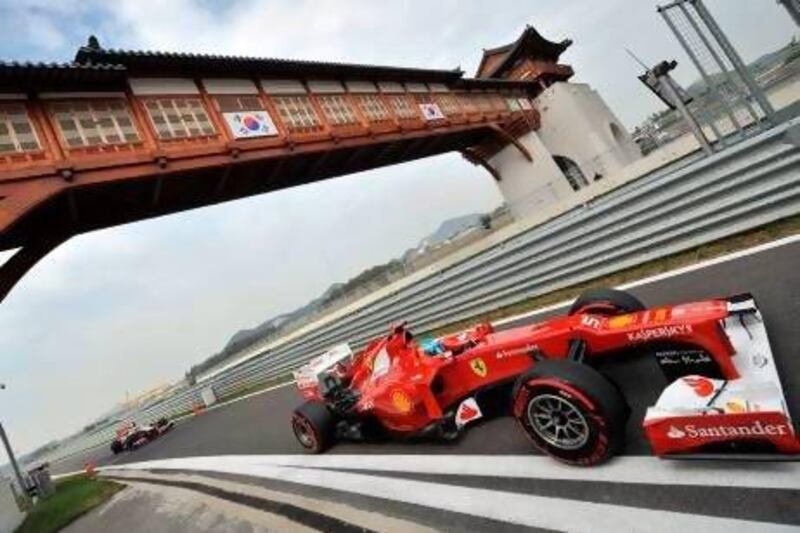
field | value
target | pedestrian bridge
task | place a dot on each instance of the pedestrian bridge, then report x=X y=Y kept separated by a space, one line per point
x=119 y=136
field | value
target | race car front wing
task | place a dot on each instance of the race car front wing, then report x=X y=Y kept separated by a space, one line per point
x=698 y=414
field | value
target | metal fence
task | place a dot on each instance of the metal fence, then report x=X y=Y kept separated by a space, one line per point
x=745 y=186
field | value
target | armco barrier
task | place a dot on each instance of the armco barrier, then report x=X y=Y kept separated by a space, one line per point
x=745 y=186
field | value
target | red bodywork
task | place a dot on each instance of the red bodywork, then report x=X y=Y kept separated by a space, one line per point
x=417 y=389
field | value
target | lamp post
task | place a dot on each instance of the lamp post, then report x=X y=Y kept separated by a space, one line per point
x=11 y=458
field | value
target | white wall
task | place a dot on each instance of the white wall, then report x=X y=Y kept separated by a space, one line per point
x=577 y=123
x=529 y=186
x=10 y=515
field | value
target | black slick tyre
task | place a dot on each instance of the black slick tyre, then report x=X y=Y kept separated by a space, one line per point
x=571 y=412
x=606 y=302
x=314 y=427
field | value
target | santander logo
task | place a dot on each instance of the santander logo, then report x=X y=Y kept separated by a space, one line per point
x=755 y=428
x=701 y=386
x=467 y=412
x=675 y=433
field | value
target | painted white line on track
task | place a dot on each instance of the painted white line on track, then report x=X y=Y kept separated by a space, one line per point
x=664 y=275
x=56 y=477
x=648 y=470
x=520 y=509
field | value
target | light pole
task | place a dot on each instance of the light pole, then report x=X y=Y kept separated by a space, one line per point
x=11 y=458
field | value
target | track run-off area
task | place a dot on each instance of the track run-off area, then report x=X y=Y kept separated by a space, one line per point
x=491 y=478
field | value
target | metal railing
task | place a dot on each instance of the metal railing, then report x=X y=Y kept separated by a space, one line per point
x=745 y=186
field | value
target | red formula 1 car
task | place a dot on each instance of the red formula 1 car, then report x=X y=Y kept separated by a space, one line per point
x=723 y=392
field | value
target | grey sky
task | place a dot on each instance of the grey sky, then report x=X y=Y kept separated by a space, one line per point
x=128 y=308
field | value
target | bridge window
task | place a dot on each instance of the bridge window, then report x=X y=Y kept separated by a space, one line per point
x=513 y=104
x=246 y=116
x=373 y=107
x=448 y=103
x=404 y=106
x=468 y=103
x=96 y=122
x=297 y=113
x=483 y=102
x=572 y=172
x=337 y=110
x=498 y=103
x=178 y=118
x=16 y=132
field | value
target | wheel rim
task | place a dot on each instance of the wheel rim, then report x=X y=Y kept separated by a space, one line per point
x=558 y=422
x=304 y=432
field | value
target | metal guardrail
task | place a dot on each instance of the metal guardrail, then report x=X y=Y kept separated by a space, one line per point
x=745 y=186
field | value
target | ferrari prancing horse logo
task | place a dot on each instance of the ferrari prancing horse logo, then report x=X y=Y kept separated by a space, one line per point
x=478 y=366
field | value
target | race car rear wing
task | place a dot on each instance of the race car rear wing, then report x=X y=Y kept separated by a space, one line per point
x=308 y=375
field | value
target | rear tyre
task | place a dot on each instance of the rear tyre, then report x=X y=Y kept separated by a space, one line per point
x=116 y=447
x=571 y=412
x=314 y=427
x=609 y=302
x=130 y=442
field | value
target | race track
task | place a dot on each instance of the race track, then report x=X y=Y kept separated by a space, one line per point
x=259 y=424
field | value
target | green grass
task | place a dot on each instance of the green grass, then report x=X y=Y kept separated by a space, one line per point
x=74 y=497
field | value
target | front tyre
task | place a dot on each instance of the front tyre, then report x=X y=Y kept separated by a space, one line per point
x=571 y=412
x=314 y=427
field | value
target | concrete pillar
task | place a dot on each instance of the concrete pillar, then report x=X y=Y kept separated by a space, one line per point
x=579 y=134
x=578 y=124
x=528 y=186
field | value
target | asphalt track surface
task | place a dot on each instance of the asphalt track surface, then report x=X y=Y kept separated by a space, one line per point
x=260 y=424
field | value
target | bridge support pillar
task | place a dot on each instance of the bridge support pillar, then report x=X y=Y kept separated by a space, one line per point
x=578 y=142
x=24 y=259
x=529 y=186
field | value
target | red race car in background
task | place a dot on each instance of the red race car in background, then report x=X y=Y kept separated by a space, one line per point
x=724 y=393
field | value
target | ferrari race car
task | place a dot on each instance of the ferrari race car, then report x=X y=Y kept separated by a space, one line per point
x=723 y=393
x=130 y=435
